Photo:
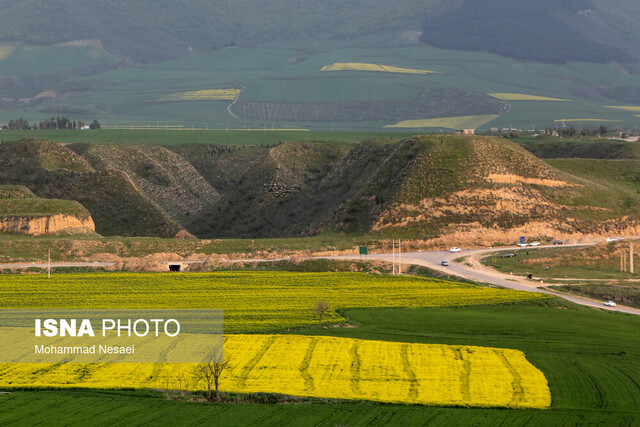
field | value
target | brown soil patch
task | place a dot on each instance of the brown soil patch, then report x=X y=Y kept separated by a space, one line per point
x=515 y=179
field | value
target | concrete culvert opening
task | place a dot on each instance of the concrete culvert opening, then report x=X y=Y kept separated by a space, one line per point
x=174 y=267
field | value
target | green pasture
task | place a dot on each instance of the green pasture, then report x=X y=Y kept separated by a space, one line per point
x=290 y=72
x=238 y=137
x=590 y=358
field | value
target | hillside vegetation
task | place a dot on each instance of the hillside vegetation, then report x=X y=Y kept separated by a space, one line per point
x=18 y=200
x=53 y=171
x=422 y=187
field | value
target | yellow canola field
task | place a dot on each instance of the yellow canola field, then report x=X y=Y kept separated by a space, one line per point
x=458 y=122
x=252 y=301
x=204 y=95
x=524 y=97
x=362 y=66
x=327 y=367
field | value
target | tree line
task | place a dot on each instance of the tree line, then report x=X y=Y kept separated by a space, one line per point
x=52 y=123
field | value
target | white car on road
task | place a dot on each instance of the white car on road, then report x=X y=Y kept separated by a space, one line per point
x=454 y=250
x=610 y=304
x=534 y=244
x=613 y=239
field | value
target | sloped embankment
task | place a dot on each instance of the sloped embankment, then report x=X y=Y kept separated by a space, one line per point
x=22 y=212
x=54 y=171
x=465 y=189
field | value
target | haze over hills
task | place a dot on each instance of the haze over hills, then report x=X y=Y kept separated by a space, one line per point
x=543 y=30
x=356 y=65
x=146 y=31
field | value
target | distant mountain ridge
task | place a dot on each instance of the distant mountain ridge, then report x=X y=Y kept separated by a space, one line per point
x=542 y=30
x=151 y=31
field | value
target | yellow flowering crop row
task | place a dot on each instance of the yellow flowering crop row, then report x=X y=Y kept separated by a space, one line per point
x=327 y=367
x=204 y=95
x=524 y=97
x=361 y=66
x=252 y=301
x=456 y=122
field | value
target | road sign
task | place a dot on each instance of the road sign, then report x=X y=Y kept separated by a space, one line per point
x=523 y=240
x=364 y=250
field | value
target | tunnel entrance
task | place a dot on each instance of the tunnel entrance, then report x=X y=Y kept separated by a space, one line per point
x=174 y=267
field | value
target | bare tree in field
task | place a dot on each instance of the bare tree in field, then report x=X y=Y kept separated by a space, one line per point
x=210 y=370
x=320 y=309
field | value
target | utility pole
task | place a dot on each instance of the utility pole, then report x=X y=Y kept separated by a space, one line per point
x=49 y=265
x=631 y=257
x=621 y=260
x=393 y=257
x=399 y=257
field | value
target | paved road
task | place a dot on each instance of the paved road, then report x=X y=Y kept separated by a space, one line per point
x=479 y=273
x=21 y=265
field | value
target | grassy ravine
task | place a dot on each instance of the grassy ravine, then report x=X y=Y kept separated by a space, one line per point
x=590 y=358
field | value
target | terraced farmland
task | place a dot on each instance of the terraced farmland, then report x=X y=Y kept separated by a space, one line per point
x=430 y=103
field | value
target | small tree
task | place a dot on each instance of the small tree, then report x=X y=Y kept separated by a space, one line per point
x=210 y=370
x=95 y=125
x=320 y=309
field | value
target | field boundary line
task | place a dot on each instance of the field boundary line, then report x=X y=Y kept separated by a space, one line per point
x=246 y=370
x=516 y=382
x=304 y=365
x=233 y=103
x=355 y=369
x=406 y=367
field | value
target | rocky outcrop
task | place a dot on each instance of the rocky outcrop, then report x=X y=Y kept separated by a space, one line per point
x=46 y=224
